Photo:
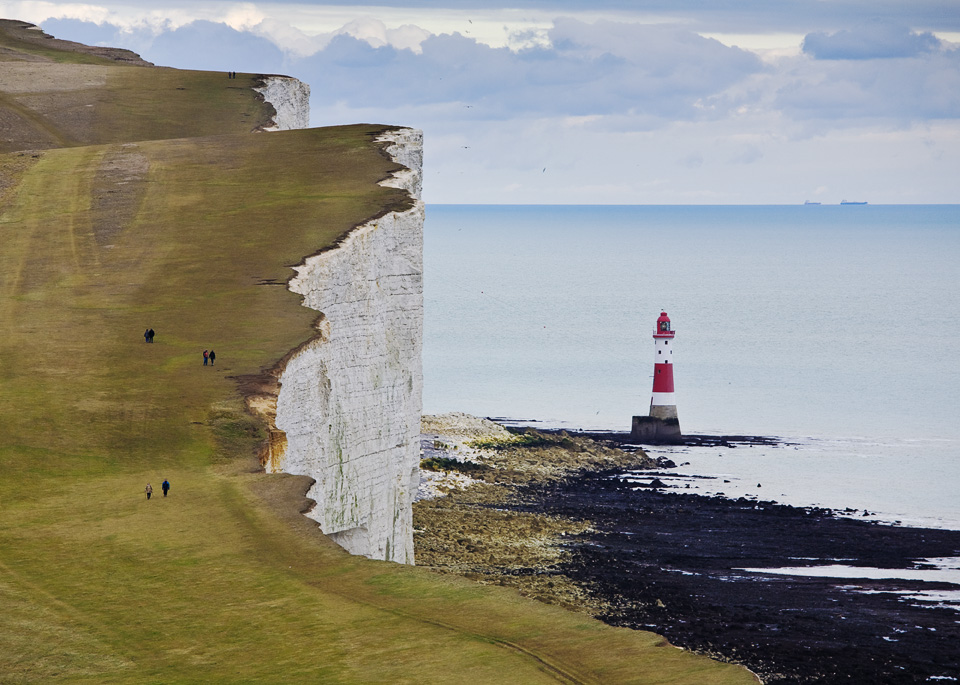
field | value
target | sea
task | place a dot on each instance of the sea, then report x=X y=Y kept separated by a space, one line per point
x=835 y=329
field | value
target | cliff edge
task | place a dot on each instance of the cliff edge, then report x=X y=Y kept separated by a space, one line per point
x=136 y=197
x=349 y=402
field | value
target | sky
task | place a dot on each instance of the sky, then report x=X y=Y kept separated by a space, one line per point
x=600 y=102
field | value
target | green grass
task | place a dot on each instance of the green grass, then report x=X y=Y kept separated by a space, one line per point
x=224 y=581
x=518 y=440
x=20 y=43
x=447 y=464
x=134 y=104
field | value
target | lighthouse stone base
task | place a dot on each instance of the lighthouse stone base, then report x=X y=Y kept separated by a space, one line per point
x=653 y=430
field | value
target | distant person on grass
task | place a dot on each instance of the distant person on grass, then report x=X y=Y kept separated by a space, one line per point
x=148 y=490
x=206 y=356
x=213 y=356
x=150 y=335
x=165 y=487
x=146 y=336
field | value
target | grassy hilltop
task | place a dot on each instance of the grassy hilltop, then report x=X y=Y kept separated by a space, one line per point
x=134 y=197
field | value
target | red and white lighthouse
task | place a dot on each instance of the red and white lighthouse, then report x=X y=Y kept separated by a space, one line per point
x=662 y=424
x=662 y=403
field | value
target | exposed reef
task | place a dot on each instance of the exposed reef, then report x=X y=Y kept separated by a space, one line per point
x=701 y=571
x=474 y=476
x=678 y=564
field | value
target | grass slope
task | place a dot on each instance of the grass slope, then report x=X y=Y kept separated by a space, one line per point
x=212 y=583
x=224 y=581
x=54 y=97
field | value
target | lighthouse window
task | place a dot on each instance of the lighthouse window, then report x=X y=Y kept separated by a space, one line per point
x=666 y=342
x=659 y=351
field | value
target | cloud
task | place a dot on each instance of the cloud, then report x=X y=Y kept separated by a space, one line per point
x=615 y=76
x=848 y=92
x=217 y=47
x=616 y=111
x=199 y=45
x=375 y=33
x=871 y=42
x=651 y=73
x=288 y=38
x=90 y=33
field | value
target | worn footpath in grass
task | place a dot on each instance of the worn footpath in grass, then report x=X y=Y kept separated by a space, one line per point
x=223 y=581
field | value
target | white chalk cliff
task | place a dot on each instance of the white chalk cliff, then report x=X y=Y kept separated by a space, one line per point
x=347 y=412
x=291 y=100
x=348 y=407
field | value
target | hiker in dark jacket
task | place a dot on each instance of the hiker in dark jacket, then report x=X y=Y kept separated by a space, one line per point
x=213 y=356
x=165 y=486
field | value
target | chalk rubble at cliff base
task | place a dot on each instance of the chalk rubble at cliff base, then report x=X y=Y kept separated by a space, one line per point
x=469 y=525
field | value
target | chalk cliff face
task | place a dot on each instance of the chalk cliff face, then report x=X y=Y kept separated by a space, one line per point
x=349 y=402
x=290 y=98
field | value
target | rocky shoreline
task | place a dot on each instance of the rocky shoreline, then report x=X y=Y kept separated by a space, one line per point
x=576 y=535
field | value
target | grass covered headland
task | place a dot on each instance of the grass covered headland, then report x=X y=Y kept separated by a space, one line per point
x=121 y=211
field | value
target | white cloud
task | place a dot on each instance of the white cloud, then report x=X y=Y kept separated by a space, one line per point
x=615 y=111
x=376 y=34
x=37 y=12
x=846 y=92
x=289 y=38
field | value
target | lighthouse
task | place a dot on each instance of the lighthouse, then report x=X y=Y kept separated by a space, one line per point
x=662 y=404
x=662 y=424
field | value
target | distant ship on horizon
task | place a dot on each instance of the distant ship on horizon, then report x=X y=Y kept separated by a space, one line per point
x=847 y=202
x=808 y=202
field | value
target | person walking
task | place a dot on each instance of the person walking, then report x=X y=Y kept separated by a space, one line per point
x=165 y=487
x=146 y=336
x=150 y=335
x=206 y=355
x=148 y=490
x=213 y=356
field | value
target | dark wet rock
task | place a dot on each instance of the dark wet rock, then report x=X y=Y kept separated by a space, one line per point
x=673 y=563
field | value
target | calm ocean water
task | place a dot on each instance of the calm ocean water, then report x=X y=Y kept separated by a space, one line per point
x=835 y=328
